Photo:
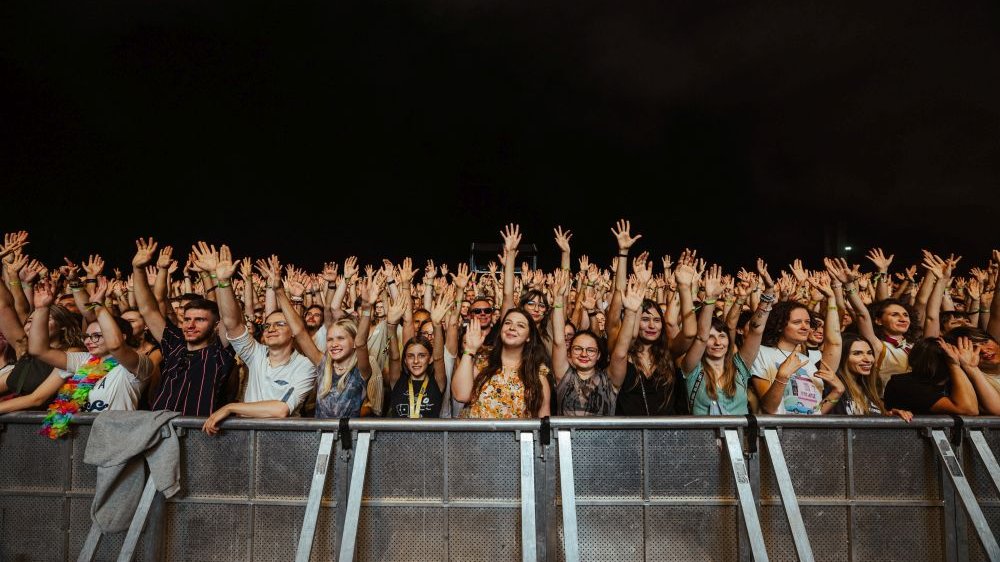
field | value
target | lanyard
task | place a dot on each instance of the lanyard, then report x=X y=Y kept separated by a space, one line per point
x=642 y=385
x=417 y=400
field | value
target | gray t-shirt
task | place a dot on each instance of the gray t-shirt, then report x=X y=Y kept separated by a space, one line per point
x=594 y=396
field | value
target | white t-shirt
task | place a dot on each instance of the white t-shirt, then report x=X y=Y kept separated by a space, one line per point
x=319 y=338
x=289 y=382
x=804 y=390
x=118 y=390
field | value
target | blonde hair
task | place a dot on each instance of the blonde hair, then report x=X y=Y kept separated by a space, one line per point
x=351 y=328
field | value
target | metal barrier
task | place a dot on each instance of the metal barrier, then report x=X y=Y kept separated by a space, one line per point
x=686 y=488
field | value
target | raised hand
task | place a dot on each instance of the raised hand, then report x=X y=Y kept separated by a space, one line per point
x=713 y=282
x=511 y=235
x=32 y=271
x=623 y=235
x=667 y=262
x=632 y=296
x=822 y=285
x=93 y=266
x=44 y=294
x=968 y=353
x=643 y=271
x=206 y=257
x=394 y=309
x=461 y=280
x=951 y=351
x=350 y=268
x=877 y=257
x=166 y=257
x=791 y=365
x=935 y=265
x=329 y=273
x=474 y=337
x=12 y=242
x=562 y=238
x=684 y=274
x=406 y=271
x=100 y=290
x=798 y=271
x=831 y=379
x=246 y=269
x=224 y=266
x=442 y=306
x=560 y=283
x=975 y=289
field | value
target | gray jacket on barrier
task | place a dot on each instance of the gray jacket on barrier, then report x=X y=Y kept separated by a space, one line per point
x=118 y=442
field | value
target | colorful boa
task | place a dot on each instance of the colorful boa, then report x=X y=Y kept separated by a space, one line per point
x=73 y=395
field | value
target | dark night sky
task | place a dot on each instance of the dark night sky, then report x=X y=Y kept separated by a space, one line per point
x=392 y=128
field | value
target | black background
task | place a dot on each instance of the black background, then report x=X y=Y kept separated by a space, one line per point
x=318 y=130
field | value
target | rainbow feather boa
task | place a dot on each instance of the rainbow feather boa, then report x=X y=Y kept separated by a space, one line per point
x=73 y=395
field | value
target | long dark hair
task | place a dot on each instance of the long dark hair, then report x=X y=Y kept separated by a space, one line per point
x=777 y=321
x=664 y=374
x=538 y=296
x=929 y=361
x=69 y=327
x=533 y=356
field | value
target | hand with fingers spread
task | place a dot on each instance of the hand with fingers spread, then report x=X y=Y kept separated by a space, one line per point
x=100 y=290
x=877 y=257
x=511 y=235
x=713 y=283
x=13 y=242
x=395 y=309
x=329 y=273
x=93 y=266
x=461 y=279
x=764 y=275
x=406 y=272
x=350 y=268
x=622 y=231
x=632 y=296
x=562 y=238
x=474 y=337
x=44 y=294
x=822 y=284
x=798 y=271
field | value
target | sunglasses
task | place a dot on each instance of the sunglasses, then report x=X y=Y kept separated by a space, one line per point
x=480 y=311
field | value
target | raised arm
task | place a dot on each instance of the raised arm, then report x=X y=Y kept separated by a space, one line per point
x=464 y=375
x=882 y=279
x=962 y=400
x=618 y=362
x=370 y=291
x=220 y=264
x=439 y=314
x=393 y=314
x=303 y=340
x=622 y=231
x=38 y=336
x=144 y=297
x=848 y=277
x=113 y=337
x=165 y=265
x=713 y=287
x=941 y=270
x=993 y=324
x=560 y=362
x=833 y=342
x=13 y=264
x=511 y=240
x=685 y=274
x=562 y=240
x=754 y=331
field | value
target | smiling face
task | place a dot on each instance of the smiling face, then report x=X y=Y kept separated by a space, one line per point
x=198 y=325
x=895 y=320
x=798 y=328
x=599 y=320
x=718 y=344
x=93 y=339
x=417 y=357
x=339 y=343
x=860 y=359
x=816 y=335
x=277 y=332
x=536 y=307
x=650 y=324
x=584 y=352
x=989 y=354
x=514 y=331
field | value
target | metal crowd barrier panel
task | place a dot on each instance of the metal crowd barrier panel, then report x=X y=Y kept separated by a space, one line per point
x=565 y=489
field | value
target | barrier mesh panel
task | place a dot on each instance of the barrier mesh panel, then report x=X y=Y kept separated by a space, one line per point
x=691 y=533
x=975 y=470
x=826 y=527
x=276 y=530
x=215 y=467
x=898 y=464
x=83 y=475
x=32 y=462
x=976 y=552
x=902 y=533
x=401 y=534
x=816 y=463
x=31 y=528
x=484 y=534
x=483 y=466
x=608 y=464
x=405 y=466
x=110 y=545
x=207 y=532
x=688 y=463
x=284 y=462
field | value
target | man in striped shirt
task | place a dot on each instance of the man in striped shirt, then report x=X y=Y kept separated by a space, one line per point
x=196 y=362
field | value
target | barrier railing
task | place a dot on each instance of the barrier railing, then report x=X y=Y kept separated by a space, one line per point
x=691 y=488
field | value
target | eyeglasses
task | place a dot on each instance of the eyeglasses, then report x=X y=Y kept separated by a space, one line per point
x=584 y=350
x=480 y=311
x=96 y=336
x=278 y=324
x=537 y=303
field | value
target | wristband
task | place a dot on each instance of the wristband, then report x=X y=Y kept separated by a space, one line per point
x=88 y=281
x=467 y=352
x=92 y=305
x=366 y=313
x=213 y=276
x=223 y=284
x=624 y=255
x=295 y=299
x=709 y=301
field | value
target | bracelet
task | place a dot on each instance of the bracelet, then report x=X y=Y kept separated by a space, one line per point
x=88 y=281
x=330 y=286
x=623 y=254
x=390 y=282
x=92 y=305
x=851 y=291
x=836 y=285
x=782 y=381
x=366 y=313
x=709 y=301
x=829 y=401
x=834 y=307
x=765 y=297
x=557 y=306
x=976 y=311
x=223 y=284
x=392 y=323
x=404 y=286
x=467 y=352
x=213 y=276
x=210 y=289
x=295 y=299
x=76 y=289
x=14 y=283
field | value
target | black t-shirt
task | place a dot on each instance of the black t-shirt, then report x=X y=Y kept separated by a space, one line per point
x=640 y=396
x=399 y=398
x=916 y=394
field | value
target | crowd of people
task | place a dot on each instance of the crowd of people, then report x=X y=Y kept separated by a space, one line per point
x=220 y=336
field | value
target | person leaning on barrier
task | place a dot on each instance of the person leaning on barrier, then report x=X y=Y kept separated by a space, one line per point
x=109 y=376
x=938 y=381
x=418 y=381
x=716 y=374
x=862 y=394
x=196 y=362
x=346 y=365
x=985 y=372
x=279 y=377
x=509 y=379
x=786 y=380
x=585 y=383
